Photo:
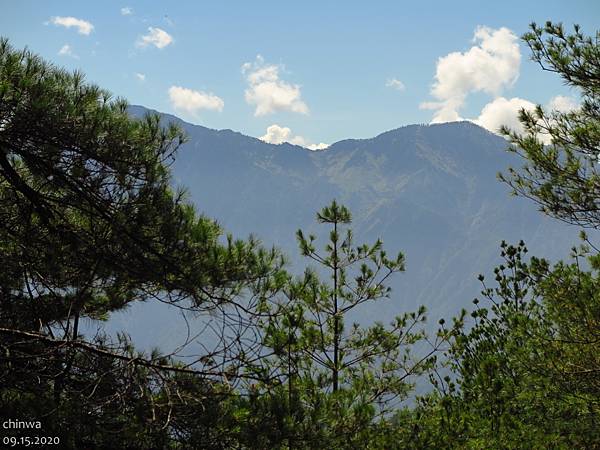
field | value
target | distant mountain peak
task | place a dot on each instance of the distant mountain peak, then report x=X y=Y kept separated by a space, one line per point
x=429 y=191
x=410 y=129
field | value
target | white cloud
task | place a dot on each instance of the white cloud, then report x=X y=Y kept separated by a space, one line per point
x=191 y=102
x=562 y=104
x=126 y=11
x=395 y=83
x=157 y=37
x=444 y=111
x=278 y=135
x=320 y=146
x=502 y=111
x=67 y=50
x=489 y=66
x=140 y=76
x=268 y=92
x=83 y=26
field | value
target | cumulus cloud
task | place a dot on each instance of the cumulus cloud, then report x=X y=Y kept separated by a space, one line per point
x=278 y=135
x=444 y=111
x=395 y=83
x=490 y=65
x=83 y=26
x=502 y=111
x=156 y=36
x=140 y=76
x=268 y=92
x=67 y=50
x=192 y=102
x=126 y=11
x=563 y=104
x=319 y=146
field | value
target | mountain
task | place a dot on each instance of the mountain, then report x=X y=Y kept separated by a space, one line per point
x=429 y=191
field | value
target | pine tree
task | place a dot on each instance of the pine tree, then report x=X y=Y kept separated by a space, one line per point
x=526 y=366
x=89 y=223
x=335 y=385
x=561 y=150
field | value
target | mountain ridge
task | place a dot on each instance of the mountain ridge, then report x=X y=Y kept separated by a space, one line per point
x=427 y=190
x=138 y=110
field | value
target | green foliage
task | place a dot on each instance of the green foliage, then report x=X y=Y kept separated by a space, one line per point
x=330 y=386
x=87 y=205
x=562 y=176
x=89 y=223
x=524 y=367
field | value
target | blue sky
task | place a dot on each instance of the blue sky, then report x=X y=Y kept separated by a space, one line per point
x=326 y=71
